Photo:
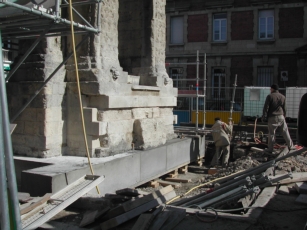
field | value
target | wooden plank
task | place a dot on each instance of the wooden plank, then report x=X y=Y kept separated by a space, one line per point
x=88 y=218
x=167 y=183
x=173 y=174
x=113 y=222
x=178 y=180
x=183 y=170
x=142 y=221
x=153 y=184
x=44 y=199
x=160 y=220
x=262 y=200
x=127 y=192
x=302 y=198
x=129 y=205
x=175 y=217
x=145 y=219
x=284 y=190
x=24 y=197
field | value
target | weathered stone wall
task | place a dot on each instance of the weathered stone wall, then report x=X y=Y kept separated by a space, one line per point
x=121 y=111
x=120 y=107
x=40 y=130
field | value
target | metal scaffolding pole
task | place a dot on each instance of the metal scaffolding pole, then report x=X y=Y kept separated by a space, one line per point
x=197 y=86
x=9 y=200
x=205 y=85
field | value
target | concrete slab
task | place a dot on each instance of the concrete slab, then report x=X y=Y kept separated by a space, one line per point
x=39 y=176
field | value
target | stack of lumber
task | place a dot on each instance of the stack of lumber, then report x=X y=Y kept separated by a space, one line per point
x=149 y=208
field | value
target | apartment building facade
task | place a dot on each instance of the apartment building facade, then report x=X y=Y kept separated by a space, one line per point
x=260 y=41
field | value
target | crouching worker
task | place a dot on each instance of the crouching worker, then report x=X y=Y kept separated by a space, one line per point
x=220 y=131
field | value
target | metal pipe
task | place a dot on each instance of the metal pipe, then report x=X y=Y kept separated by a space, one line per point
x=240 y=195
x=183 y=63
x=216 y=192
x=49 y=16
x=48 y=79
x=5 y=219
x=82 y=3
x=209 y=202
x=80 y=16
x=21 y=60
x=14 y=209
x=205 y=85
x=197 y=85
x=232 y=101
x=57 y=8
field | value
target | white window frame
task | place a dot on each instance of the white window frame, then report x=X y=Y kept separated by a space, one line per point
x=266 y=24
x=176 y=30
x=219 y=27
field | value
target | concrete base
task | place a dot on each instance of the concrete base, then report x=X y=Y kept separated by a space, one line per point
x=39 y=176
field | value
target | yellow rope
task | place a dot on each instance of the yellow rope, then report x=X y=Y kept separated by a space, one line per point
x=175 y=198
x=79 y=91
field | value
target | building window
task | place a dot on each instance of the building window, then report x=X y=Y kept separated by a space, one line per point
x=177 y=30
x=219 y=27
x=176 y=74
x=218 y=83
x=265 y=76
x=266 y=24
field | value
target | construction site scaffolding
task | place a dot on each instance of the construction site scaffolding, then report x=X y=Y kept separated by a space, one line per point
x=196 y=130
x=25 y=20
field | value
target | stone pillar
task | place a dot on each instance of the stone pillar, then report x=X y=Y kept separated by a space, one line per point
x=40 y=130
x=142 y=26
x=120 y=105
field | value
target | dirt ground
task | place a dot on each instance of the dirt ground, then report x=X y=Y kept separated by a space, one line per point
x=281 y=213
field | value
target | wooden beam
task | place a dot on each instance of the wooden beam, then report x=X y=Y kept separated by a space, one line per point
x=178 y=180
x=167 y=183
x=113 y=222
x=129 y=205
x=44 y=199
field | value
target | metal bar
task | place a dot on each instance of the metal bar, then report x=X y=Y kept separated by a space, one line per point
x=183 y=63
x=240 y=195
x=197 y=85
x=48 y=79
x=5 y=219
x=8 y=155
x=55 y=34
x=57 y=8
x=216 y=192
x=49 y=16
x=209 y=202
x=205 y=89
x=82 y=3
x=233 y=99
x=26 y=54
x=80 y=16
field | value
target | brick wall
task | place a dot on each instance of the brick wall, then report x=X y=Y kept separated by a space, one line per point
x=198 y=28
x=288 y=63
x=291 y=22
x=242 y=25
x=243 y=67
